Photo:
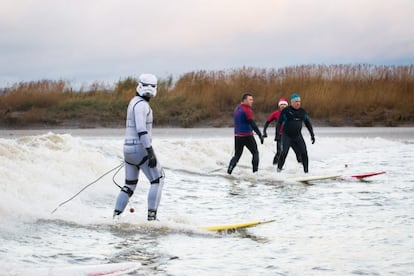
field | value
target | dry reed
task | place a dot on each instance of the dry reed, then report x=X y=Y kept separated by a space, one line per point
x=360 y=95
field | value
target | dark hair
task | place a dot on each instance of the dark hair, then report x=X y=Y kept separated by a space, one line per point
x=245 y=95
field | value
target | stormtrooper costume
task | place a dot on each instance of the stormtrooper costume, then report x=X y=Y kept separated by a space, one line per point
x=138 y=152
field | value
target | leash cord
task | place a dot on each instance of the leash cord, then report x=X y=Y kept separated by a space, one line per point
x=113 y=177
x=84 y=188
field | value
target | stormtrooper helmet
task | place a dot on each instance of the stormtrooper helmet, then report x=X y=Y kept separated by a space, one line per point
x=147 y=85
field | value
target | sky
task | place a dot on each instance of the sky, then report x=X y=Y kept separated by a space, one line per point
x=104 y=41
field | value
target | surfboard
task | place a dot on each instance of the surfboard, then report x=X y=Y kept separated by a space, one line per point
x=364 y=175
x=111 y=269
x=235 y=226
x=307 y=179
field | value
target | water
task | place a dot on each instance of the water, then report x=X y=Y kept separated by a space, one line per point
x=330 y=228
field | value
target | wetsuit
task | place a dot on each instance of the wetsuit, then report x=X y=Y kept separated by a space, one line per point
x=292 y=120
x=136 y=145
x=274 y=117
x=244 y=125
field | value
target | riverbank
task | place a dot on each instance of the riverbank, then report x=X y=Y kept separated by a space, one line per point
x=166 y=132
x=211 y=123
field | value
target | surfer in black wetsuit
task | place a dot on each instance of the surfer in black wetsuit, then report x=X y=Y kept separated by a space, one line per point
x=292 y=118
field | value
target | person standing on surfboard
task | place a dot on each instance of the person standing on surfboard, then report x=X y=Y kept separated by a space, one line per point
x=274 y=117
x=138 y=152
x=244 y=125
x=292 y=118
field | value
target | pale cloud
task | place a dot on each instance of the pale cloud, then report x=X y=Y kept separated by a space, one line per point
x=104 y=40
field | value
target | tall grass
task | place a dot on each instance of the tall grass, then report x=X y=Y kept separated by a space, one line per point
x=359 y=95
x=336 y=94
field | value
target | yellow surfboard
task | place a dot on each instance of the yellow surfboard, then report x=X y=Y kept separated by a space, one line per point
x=234 y=226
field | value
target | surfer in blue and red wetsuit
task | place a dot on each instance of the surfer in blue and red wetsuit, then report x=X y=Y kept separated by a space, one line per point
x=292 y=118
x=244 y=125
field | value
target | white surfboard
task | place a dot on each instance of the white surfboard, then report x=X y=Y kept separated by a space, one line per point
x=111 y=269
x=307 y=179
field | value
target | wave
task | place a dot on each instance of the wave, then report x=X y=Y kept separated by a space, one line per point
x=40 y=172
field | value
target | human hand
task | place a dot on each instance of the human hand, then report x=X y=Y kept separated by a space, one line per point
x=152 y=160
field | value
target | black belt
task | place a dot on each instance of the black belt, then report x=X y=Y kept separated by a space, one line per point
x=130 y=142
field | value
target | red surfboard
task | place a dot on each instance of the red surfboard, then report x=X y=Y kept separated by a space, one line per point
x=364 y=175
